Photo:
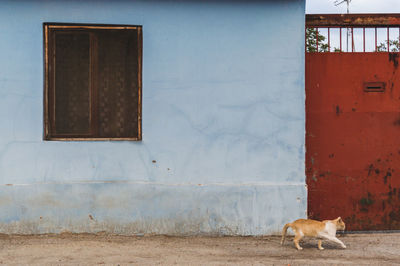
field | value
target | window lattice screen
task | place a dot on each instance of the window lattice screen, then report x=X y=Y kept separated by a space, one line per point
x=72 y=103
x=93 y=86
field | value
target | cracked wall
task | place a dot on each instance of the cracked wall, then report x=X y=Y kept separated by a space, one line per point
x=223 y=123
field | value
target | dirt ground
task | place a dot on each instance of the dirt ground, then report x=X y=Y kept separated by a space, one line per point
x=88 y=249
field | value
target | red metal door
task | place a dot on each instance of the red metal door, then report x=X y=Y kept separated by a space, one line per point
x=353 y=138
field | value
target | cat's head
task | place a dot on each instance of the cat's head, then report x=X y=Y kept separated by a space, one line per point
x=340 y=224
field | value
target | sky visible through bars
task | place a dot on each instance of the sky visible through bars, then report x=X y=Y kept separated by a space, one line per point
x=357 y=6
x=358 y=39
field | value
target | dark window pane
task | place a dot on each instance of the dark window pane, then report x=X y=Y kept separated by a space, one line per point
x=117 y=83
x=72 y=100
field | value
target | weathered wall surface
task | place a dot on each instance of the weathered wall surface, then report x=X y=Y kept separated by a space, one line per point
x=223 y=119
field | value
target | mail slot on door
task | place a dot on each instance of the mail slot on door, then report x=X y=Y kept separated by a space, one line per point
x=374 y=86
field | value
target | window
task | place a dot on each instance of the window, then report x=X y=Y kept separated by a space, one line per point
x=92 y=82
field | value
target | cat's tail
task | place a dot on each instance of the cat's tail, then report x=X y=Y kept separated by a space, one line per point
x=284 y=232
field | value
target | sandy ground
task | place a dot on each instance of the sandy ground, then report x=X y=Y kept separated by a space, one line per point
x=87 y=249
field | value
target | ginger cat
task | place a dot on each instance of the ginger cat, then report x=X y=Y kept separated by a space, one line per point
x=306 y=227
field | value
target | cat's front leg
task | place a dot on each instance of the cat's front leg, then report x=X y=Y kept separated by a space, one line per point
x=320 y=244
x=334 y=239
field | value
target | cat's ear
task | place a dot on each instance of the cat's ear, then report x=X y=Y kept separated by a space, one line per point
x=339 y=219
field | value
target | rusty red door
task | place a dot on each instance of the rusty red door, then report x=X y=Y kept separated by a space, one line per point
x=353 y=138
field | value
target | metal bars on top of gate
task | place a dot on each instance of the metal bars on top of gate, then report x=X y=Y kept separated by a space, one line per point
x=352 y=33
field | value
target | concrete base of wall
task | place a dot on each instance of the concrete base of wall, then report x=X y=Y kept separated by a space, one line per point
x=151 y=208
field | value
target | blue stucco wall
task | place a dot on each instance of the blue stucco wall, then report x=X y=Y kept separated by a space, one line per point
x=223 y=117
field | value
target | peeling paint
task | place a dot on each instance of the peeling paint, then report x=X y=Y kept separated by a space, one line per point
x=205 y=210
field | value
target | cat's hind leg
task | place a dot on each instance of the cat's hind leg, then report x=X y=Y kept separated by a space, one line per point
x=297 y=238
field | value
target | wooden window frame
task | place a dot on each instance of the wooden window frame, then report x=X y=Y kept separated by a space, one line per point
x=48 y=92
